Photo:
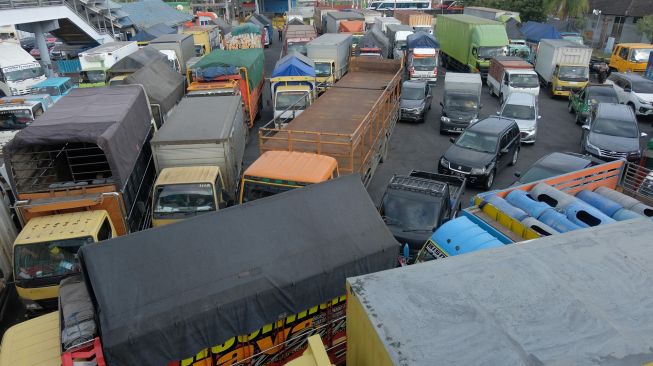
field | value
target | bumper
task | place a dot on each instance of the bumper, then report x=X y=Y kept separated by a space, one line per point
x=430 y=80
x=644 y=110
x=453 y=126
x=528 y=137
x=473 y=179
x=407 y=115
x=633 y=159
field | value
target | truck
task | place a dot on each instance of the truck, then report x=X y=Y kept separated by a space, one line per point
x=510 y=74
x=19 y=71
x=244 y=36
x=440 y=200
x=508 y=305
x=308 y=295
x=320 y=17
x=16 y=115
x=398 y=35
x=333 y=19
x=198 y=164
x=132 y=63
x=78 y=158
x=367 y=99
x=56 y=87
x=206 y=38
x=490 y=13
x=297 y=37
x=383 y=22
x=467 y=43
x=293 y=86
x=461 y=101
x=562 y=66
x=97 y=61
x=330 y=53
x=280 y=171
x=179 y=48
x=266 y=38
x=374 y=44
x=231 y=72
x=422 y=62
x=418 y=20
x=630 y=57
x=370 y=17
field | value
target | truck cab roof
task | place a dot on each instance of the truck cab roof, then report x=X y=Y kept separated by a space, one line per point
x=187 y=174
x=293 y=166
x=61 y=226
x=33 y=342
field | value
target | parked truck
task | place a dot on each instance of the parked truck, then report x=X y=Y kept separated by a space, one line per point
x=97 y=61
x=297 y=37
x=467 y=43
x=78 y=158
x=356 y=133
x=320 y=18
x=398 y=35
x=418 y=20
x=292 y=86
x=370 y=17
x=630 y=57
x=19 y=71
x=231 y=72
x=562 y=66
x=330 y=53
x=198 y=164
x=492 y=14
x=461 y=102
x=333 y=19
x=206 y=38
x=132 y=63
x=178 y=48
x=307 y=294
x=374 y=44
x=510 y=74
x=423 y=51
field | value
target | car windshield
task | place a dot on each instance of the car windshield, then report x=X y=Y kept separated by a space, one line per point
x=615 y=127
x=575 y=39
x=489 y=52
x=253 y=190
x=515 y=111
x=51 y=258
x=51 y=90
x=640 y=54
x=477 y=141
x=294 y=101
x=524 y=81
x=602 y=95
x=29 y=73
x=643 y=86
x=537 y=172
x=322 y=69
x=409 y=211
x=461 y=102
x=425 y=63
x=183 y=199
x=573 y=73
x=297 y=47
x=15 y=119
x=412 y=93
x=95 y=76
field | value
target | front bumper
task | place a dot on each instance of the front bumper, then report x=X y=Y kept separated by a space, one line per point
x=528 y=137
x=473 y=179
x=453 y=125
x=644 y=109
x=411 y=115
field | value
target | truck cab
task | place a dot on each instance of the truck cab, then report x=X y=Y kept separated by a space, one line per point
x=33 y=342
x=423 y=64
x=568 y=78
x=509 y=74
x=461 y=103
x=279 y=171
x=630 y=57
x=324 y=73
x=291 y=100
x=55 y=87
x=45 y=252
x=16 y=114
x=183 y=192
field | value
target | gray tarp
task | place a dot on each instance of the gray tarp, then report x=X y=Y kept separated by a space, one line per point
x=167 y=293
x=163 y=85
x=116 y=118
x=133 y=62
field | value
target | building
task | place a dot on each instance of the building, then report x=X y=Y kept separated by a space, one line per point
x=616 y=21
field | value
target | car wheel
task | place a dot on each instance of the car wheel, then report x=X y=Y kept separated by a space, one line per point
x=489 y=89
x=515 y=156
x=570 y=109
x=632 y=106
x=578 y=120
x=489 y=181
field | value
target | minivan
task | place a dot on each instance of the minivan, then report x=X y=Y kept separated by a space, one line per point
x=612 y=133
x=523 y=108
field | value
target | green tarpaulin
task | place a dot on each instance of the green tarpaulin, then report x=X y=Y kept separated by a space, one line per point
x=246 y=28
x=252 y=59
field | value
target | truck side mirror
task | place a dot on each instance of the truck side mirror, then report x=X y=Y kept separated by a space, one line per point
x=517 y=174
x=441 y=104
x=452 y=139
x=586 y=127
x=643 y=134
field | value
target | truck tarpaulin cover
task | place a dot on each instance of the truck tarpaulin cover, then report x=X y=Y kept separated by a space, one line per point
x=161 y=297
x=374 y=38
x=163 y=85
x=513 y=29
x=252 y=59
x=422 y=40
x=246 y=28
x=115 y=118
x=294 y=64
x=351 y=26
x=535 y=31
x=136 y=60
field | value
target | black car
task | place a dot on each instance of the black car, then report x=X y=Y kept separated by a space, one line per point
x=483 y=149
x=415 y=100
x=553 y=164
x=612 y=133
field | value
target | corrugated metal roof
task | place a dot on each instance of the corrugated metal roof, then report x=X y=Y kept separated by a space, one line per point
x=147 y=13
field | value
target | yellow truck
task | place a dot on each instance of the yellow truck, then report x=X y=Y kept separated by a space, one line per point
x=562 y=66
x=206 y=38
x=630 y=57
x=32 y=342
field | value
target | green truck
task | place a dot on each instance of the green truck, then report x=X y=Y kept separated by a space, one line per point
x=467 y=43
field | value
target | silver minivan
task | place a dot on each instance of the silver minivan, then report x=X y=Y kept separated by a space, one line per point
x=523 y=108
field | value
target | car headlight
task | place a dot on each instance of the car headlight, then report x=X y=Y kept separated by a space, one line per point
x=642 y=101
x=445 y=119
x=14 y=90
x=31 y=305
x=483 y=170
x=473 y=120
x=444 y=162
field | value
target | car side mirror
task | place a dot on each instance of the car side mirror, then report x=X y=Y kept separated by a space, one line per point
x=452 y=139
x=643 y=134
x=441 y=104
x=498 y=113
x=539 y=117
x=517 y=174
x=586 y=127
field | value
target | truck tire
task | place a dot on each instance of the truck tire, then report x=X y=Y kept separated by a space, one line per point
x=489 y=88
x=490 y=180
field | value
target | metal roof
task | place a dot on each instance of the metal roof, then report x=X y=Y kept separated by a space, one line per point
x=52 y=82
x=293 y=166
x=62 y=226
x=146 y=13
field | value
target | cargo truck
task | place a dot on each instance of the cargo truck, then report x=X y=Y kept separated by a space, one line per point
x=206 y=38
x=179 y=48
x=630 y=57
x=292 y=86
x=423 y=52
x=296 y=38
x=461 y=102
x=511 y=305
x=97 y=61
x=132 y=63
x=562 y=66
x=19 y=71
x=374 y=44
x=231 y=72
x=320 y=18
x=356 y=133
x=306 y=298
x=370 y=17
x=418 y=20
x=198 y=163
x=80 y=158
x=398 y=35
x=492 y=14
x=331 y=54
x=333 y=19
x=510 y=74
x=467 y=43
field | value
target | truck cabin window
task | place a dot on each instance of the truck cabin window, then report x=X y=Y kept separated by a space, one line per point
x=257 y=190
x=524 y=81
x=183 y=200
x=18 y=75
x=518 y=112
x=573 y=73
x=410 y=211
x=47 y=259
x=93 y=76
x=50 y=90
x=293 y=101
x=322 y=69
x=15 y=119
x=640 y=54
x=461 y=102
x=297 y=47
x=425 y=63
x=489 y=52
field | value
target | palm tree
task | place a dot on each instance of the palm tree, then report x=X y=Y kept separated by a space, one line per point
x=566 y=9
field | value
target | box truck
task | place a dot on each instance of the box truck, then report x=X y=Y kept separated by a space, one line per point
x=179 y=48
x=97 y=61
x=511 y=74
x=563 y=66
x=331 y=53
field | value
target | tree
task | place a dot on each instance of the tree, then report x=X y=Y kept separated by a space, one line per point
x=644 y=27
x=565 y=9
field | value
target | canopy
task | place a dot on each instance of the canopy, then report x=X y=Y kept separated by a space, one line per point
x=252 y=59
x=161 y=297
x=150 y=33
x=513 y=29
x=246 y=28
x=163 y=85
x=535 y=31
x=422 y=40
x=133 y=62
x=294 y=64
x=374 y=38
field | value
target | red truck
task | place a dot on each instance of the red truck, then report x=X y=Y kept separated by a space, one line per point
x=296 y=38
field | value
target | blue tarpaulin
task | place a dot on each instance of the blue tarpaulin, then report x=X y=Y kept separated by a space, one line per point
x=213 y=72
x=294 y=64
x=422 y=40
x=535 y=31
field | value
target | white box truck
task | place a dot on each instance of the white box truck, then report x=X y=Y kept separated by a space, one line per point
x=19 y=71
x=382 y=22
x=562 y=66
x=331 y=53
x=179 y=48
x=97 y=61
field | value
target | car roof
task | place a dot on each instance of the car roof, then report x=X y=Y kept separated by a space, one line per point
x=492 y=125
x=631 y=76
x=414 y=83
x=567 y=160
x=521 y=99
x=56 y=81
x=614 y=110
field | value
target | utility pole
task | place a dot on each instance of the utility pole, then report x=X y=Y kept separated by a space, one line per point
x=596 y=29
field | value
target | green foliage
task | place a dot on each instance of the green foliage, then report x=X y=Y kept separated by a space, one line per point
x=528 y=9
x=644 y=27
x=565 y=9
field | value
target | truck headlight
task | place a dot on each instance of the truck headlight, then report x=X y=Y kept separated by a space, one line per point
x=31 y=305
x=445 y=119
x=473 y=120
x=558 y=88
x=444 y=162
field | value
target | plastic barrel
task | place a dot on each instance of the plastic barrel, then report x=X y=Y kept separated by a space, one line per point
x=626 y=201
x=626 y=214
x=524 y=201
x=603 y=204
x=643 y=209
x=551 y=196
x=584 y=215
x=558 y=221
x=505 y=207
x=538 y=226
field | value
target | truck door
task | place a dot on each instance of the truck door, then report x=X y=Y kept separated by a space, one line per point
x=622 y=60
x=614 y=62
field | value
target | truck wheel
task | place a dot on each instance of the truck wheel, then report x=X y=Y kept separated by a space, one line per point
x=489 y=89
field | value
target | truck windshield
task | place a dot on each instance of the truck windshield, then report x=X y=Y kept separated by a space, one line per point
x=615 y=127
x=461 y=102
x=322 y=69
x=291 y=100
x=515 y=111
x=23 y=74
x=181 y=200
x=477 y=141
x=51 y=258
x=299 y=47
x=94 y=76
x=640 y=54
x=489 y=52
x=51 y=90
x=524 y=81
x=253 y=190
x=425 y=63
x=15 y=119
x=573 y=73
x=409 y=210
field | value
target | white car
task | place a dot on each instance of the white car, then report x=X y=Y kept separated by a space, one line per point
x=635 y=91
x=523 y=108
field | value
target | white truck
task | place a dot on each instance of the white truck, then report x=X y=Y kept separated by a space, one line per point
x=562 y=66
x=19 y=71
x=179 y=48
x=330 y=52
x=382 y=22
x=398 y=35
x=508 y=74
x=97 y=61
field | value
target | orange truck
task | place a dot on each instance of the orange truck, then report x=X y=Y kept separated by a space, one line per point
x=231 y=72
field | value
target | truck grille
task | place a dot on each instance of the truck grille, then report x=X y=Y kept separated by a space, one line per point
x=613 y=154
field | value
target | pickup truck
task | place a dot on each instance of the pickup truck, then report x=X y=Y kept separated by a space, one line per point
x=415 y=205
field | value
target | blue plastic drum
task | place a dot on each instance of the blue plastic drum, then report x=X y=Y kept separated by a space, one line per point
x=603 y=204
x=558 y=221
x=524 y=201
x=505 y=207
x=584 y=215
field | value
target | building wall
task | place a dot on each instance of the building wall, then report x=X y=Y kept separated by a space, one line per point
x=610 y=25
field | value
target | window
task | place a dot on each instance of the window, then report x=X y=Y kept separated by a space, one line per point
x=617 y=28
x=623 y=53
x=627 y=85
x=37 y=111
x=105 y=231
x=505 y=140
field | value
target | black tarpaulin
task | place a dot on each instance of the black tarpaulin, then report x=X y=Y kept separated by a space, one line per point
x=513 y=29
x=163 y=85
x=133 y=62
x=165 y=294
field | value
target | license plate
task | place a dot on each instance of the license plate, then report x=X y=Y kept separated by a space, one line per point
x=458 y=174
x=457 y=129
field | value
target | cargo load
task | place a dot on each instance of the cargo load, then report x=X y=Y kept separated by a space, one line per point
x=536 y=32
x=374 y=43
x=134 y=61
x=420 y=21
x=243 y=37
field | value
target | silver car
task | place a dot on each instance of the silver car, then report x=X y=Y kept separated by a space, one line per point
x=523 y=108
